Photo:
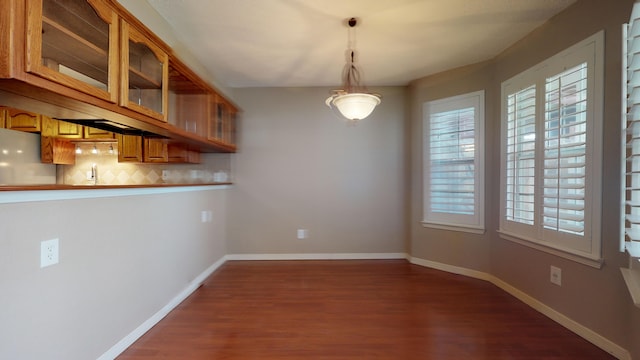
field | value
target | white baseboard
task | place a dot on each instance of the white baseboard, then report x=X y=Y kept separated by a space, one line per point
x=579 y=329
x=342 y=256
x=583 y=331
x=450 y=268
x=123 y=344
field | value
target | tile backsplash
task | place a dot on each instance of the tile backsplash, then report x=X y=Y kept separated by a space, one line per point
x=103 y=157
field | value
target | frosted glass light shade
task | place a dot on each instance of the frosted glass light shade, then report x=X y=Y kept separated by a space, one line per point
x=356 y=106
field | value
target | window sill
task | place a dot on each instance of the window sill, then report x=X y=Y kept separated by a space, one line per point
x=582 y=259
x=469 y=229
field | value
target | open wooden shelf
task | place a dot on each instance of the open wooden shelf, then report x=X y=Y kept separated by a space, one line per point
x=140 y=80
x=66 y=48
x=80 y=20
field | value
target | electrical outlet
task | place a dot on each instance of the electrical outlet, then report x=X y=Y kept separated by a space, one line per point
x=206 y=216
x=49 y=252
x=165 y=175
x=556 y=275
x=303 y=234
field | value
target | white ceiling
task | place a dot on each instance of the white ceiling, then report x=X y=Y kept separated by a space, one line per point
x=273 y=43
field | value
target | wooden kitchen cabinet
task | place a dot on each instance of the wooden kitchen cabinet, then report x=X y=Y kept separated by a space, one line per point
x=68 y=130
x=3 y=115
x=181 y=154
x=215 y=126
x=97 y=134
x=231 y=129
x=21 y=120
x=135 y=148
x=60 y=129
x=155 y=150
x=192 y=112
x=74 y=43
x=57 y=151
x=145 y=74
x=129 y=148
x=92 y=59
x=222 y=125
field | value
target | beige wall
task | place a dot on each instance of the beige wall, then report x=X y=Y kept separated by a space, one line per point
x=299 y=166
x=121 y=261
x=595 y=298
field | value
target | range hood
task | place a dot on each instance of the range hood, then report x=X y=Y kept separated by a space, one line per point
x=112 y=126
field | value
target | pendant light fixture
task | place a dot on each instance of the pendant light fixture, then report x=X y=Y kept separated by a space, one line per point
x=353 y=101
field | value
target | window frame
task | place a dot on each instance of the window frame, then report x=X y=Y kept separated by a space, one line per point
x=630 y=31
x=586 y=249
x=630 y=244
x=474 y=223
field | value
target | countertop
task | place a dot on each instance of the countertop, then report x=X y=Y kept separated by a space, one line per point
x=89 y=187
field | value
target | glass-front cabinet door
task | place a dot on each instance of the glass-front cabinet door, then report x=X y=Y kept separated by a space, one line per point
x=222 y=126
x=214 y=118
x=74 y=43
x=145 y=74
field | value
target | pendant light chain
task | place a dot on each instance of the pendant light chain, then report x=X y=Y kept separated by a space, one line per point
x=351 y=74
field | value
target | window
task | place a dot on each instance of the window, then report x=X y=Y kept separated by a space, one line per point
x=552 y=153
x=630 y=219
x=453 y=163
x=631 y=136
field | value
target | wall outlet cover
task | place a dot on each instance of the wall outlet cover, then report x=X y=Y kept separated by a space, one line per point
x=49 y=252
x=556 y=275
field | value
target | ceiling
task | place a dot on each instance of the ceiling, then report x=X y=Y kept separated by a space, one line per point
x=277 y=43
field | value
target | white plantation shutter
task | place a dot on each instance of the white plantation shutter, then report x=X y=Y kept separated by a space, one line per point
x=453 y=171
x=521 y=139
x=552 y=153
x=452 y=148
x=565 y=137
x=631 y=150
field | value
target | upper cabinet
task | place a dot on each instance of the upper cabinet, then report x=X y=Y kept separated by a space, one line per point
x=91 y=60
x=223 y=121
x=145 y=74
x=21 y=120
x=74 y=43
x=96 y=134
x=198 y=111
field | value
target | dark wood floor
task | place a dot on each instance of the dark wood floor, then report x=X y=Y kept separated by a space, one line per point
x=354 y=310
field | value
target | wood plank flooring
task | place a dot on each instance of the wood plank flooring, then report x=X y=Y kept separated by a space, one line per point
x=387 y=309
